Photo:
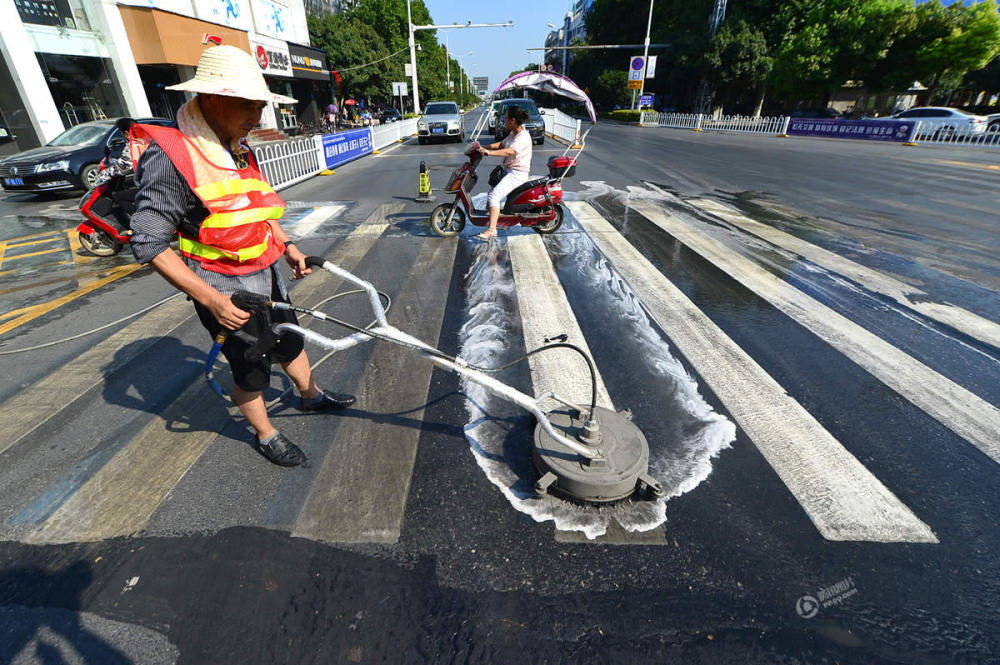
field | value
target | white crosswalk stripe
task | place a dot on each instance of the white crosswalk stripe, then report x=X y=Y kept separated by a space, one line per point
x=963 y=412
x=842 y=498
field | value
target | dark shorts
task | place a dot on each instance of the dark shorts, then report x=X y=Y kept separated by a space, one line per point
x=255 y=375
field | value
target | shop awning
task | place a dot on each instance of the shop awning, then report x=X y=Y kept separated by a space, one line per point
x=162 y=38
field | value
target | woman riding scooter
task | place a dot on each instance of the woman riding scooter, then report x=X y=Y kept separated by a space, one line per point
x=516 y=151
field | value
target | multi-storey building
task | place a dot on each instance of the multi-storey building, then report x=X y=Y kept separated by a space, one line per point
x=70 y=61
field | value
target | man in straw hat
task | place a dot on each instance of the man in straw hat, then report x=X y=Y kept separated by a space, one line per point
x=200 y=183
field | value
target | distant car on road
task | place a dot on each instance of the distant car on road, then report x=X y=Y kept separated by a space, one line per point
x=441 y=120
x=491 y=118
x=535 y=125
x=944 y=120
x=69 y=161
x=390 y=115
x=829 y=113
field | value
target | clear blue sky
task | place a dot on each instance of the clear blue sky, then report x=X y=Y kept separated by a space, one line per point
x=497 y=51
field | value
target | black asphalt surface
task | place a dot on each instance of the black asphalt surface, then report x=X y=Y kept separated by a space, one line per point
x=471 y=580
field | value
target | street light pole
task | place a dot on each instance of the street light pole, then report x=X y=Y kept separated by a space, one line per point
x=645 y=53
x=413 y=50
x=413 y=60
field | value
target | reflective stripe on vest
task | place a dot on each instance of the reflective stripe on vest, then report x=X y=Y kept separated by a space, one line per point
x=236 y=237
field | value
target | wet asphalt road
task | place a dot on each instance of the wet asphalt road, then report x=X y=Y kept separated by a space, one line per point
x=222 y=575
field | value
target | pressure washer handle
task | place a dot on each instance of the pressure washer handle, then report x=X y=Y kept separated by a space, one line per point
x=314 y=262
x=251 y=302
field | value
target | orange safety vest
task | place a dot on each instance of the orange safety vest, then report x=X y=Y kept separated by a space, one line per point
x=236 y=237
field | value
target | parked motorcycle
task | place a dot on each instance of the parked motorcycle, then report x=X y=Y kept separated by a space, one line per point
x=109 y=205
x=535 y=204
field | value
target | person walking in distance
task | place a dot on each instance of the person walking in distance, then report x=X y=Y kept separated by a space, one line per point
x=200 y=182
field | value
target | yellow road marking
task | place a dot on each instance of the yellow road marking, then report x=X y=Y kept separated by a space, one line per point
x=992 y=167
x=24 y=256
x=37 y=235
x=32 y=242
x=45 y=308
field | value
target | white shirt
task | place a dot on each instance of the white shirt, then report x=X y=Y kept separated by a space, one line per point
x=521 y=143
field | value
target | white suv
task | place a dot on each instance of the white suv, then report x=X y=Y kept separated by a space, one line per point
x=944 y=121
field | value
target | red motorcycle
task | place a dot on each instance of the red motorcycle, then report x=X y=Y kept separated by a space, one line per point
x=109 y=205
x=535 y=204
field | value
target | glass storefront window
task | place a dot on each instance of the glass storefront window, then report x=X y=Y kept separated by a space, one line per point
x=83 y=88
x=64 y=13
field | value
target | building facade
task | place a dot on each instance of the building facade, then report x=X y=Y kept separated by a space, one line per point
x=65 y=62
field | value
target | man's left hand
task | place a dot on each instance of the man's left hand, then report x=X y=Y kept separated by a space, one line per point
x=297 y=261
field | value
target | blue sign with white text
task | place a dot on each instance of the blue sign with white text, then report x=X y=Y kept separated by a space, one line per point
x=343 y=147
x=869 y=129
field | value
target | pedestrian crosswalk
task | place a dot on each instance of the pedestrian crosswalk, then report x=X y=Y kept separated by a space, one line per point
x=363 y=469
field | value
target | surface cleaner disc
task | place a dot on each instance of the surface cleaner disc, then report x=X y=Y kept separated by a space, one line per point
x=622 y=474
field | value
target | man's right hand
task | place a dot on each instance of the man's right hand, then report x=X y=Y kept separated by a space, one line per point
x=226 y=313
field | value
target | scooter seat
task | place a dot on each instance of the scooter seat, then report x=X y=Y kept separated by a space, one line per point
x=531 y=184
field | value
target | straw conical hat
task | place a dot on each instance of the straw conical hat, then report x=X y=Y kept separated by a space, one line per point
x=232 y=72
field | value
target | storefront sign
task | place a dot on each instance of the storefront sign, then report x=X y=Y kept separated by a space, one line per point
x=273 y=18
x=234 y=13
x=308 y=63
x=271 y=55
x=872 y=130
x=343 y=147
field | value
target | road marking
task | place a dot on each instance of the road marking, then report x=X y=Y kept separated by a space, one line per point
x=545 y=312
x=360 y=492
x=8 y=257
x=844 y=500
x=32 y=407
x=958 y=409
x=961 y=319
x=991 y=167
x=120 y=498
x=45 y=308
x=306 y=224
x=39 y=235
x=32 y=242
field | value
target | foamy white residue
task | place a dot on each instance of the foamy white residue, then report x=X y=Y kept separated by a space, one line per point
x=700 y=432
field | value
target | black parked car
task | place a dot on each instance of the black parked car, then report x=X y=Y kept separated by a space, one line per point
x=69 y=161
x=390 y=115
x=828 y=113
x=535 y=124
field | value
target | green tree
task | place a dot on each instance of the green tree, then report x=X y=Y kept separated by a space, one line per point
x=739 y=59
x=969 y=40
x=350 y=44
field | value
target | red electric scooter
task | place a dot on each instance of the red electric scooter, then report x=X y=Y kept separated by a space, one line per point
x=109 y=205
x=535 y=204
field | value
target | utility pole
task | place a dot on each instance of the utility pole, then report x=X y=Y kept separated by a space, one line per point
x=413 y=48
x=645 y=53
x=705 y=91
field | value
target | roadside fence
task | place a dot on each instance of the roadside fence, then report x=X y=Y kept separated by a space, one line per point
x=726 y=123
x=286 y=163
x=778 y=125
x=938 y=135
x=393 y=132
x=562 y=126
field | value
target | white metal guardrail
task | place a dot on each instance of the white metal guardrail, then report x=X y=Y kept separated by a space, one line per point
x=562 y=126
x=778 y=125
x=285 y=163
x=727 y=123
x=392 y=132
x=946 y=135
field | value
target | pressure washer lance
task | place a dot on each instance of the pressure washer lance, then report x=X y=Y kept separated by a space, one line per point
x=594 y=464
